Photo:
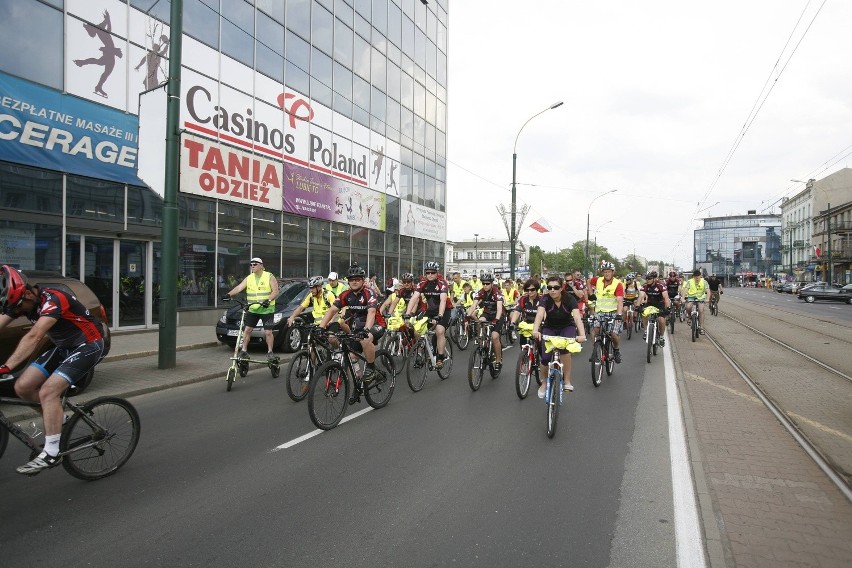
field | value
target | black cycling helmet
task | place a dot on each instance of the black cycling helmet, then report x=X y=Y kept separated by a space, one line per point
x=12 y=288
x=356 y=271
x=651 y=274
x=407 y=276
x=487 y=278
x=431 y=265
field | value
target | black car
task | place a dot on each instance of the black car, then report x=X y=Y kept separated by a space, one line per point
x=290 y=295
x=831 y=292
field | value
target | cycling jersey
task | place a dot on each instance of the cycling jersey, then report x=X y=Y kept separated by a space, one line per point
x=673 y=287
x=74 y=324
x=431 y=292
x=655 y=294
x=631 y=291
x=358 y=305
x=527 y=308
x=607 y=295
x=488 y=302
x=321 y=303
x=713 y=284
x=558 y=317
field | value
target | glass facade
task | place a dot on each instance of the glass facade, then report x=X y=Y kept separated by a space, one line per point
x=363 y=89
x=739 y=247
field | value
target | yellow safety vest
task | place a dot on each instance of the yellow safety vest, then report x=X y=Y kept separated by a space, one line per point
x=606 y=301
x=258 y=289
x=696 y=290
x=458 y=289
x=321 y=304
x=398 y=304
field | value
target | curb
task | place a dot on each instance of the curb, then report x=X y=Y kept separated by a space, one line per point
x=138 y=354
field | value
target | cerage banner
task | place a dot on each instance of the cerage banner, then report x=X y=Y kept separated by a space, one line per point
x=44 y=128
x=217 y=170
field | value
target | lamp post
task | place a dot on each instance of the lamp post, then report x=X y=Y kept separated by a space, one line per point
x=476 y=254
x=596 y=239
x=588 y=217
x=513 y=233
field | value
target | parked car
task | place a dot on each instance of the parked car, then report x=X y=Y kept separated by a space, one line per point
x=831 y=292
x=12 y=333
x=290 y=295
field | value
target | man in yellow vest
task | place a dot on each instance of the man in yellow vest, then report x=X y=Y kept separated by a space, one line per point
x=609 y=293
x=321 y=300
x=261 y=290
x=696 y=293
x=334 y=285
x=457 y=287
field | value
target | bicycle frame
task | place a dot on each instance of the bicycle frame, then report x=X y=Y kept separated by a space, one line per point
x=239 y=365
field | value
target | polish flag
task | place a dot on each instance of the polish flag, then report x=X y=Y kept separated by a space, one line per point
x=542 y=226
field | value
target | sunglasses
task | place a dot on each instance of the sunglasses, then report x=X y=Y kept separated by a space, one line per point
x=484 y=283
x=355 y=278
x=254 y=263
x=529 y=289
x=430 y=272
x=554 y=287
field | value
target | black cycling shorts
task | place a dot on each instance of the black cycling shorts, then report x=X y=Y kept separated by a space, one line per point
x=70 y=363
x=444 y=320
x=252 y=319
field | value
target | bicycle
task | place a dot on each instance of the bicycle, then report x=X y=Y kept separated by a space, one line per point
x=97 y=439
x=693 y=315
x=330 y=386
x=675 y=313
x=553 y=396
x=528 y=361
x=714 y=304
x=398 y=341
x=424 y=355
x=459 y=331
x=482 y=356
x=314 y=352
x=603 y=349
x=240 y=365
x=629 y=317
x=651 y=336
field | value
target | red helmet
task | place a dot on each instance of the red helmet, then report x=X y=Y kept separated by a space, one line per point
x=12 y=287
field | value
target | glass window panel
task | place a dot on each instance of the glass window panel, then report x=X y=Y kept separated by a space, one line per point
x=441 y=76
x=270 y=33
x=361 y=116
x=196 y=269
x=35 y=246
x=99 y=200
x=420 y=48
x=378 y=69
x=343 y=80
x=393 y=113
x=72 y=256
x=394 y=54
x=201 y=21
x=157 y=8
x=363 y=8
x=340 y=236
x=297 y=79
x=419 y=99
x=343 y=43
x=321 y=67
x=266 y=239
x=406 y=92
x=378 y=105
x=419 y=132
x=238 y=31
x=299 y=17
x=363 y=27
x=362 y=58
x=321 y=93
x=441 y=195
x=429 y=191
x=328 y=4
x=440 y=115
x=393 y=85
x=342 y=105
x=35 y=29
x=407 y=36
x=394 y=24
x=380 y=16
x=322 y=29
x=431 y=25
x=28 y=189
x=198 y=214
x=361 y=93
x=343 y=11
x=270 y=63
x=298 y=51
x=431 y=59
x=275 y=8
x=144 y=207
x=360 y=246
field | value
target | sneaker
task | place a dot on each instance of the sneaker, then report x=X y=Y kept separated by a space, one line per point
x=542 y=391
x=662 y=342
x=39 y=463
x=270 y=355
x=439 y=363
x=701 y=331
x=243 y=355
x=644 y=335
x=498 y=365
x=617 y=356
x=569 y=388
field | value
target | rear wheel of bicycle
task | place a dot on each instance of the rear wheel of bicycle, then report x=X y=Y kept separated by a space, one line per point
x=597 y=364
x=418 y=367
x=104 y=447
x=444 y=372
x=299 y=376
x=671 y=322
x=475 y=369
x=459 y=335
x=230 y=377
x=656 y=340
x=504 y=336
x=328 y=395
x=553 y=406
x=378 y=392
x=523 y=370
x=610 y=357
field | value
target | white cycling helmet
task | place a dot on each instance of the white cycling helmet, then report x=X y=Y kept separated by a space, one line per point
x=607 y=265
x=315 y=281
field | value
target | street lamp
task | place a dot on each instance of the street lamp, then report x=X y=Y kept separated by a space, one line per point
x=476 y=254
x=513 y=234
x=596 y=239
x=588 y=213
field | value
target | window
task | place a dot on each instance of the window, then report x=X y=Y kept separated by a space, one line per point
x=322 y=29
x=29 y=189
x=30 y=27
x=299 y=17
x=238 y=31
x=201 y=21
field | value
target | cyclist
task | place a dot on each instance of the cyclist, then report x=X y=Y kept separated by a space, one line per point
x=557 y=314
x=261 y=287
x=475 y=283
x=321 y=300
x=334 y=285
x=457 y=287
x=673 y=284
x=527 y=307
x=510 y=294
x=695 y=291
x=715 y=286
x=654 y=293
x=361 y=316
x=491 y=300
x=631 y=290
x=609 y=293
x=78 y=345
x=434 y=291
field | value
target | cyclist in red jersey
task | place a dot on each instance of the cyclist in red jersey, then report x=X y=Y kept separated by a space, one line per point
x=78 y=345
x=435 y=292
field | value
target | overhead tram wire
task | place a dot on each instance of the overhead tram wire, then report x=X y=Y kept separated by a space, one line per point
x=814 y=173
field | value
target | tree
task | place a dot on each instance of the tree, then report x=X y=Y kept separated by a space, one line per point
x=632 y=263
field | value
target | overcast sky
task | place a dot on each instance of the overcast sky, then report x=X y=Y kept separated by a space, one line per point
x=656 y=94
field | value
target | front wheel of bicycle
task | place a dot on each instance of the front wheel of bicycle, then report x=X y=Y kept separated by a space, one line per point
x=597 y=363
x=671 y=322
x=299 y=375
x=629 y=327
x=378 y=392
x=475 y=369
x=694 y=327
x=553 y=405
x=523 y=370
x=328 y=395
x=649 y=340
x=610 y=357
x=444 y=372
x=230 y=377
x=101 y=437
x=418 y=367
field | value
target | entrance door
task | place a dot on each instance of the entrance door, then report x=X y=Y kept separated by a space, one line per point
x=131 y=283
x=115 y=270
x=98 y=272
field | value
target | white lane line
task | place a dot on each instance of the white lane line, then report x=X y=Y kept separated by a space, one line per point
x=688 y=538
x=317 y=432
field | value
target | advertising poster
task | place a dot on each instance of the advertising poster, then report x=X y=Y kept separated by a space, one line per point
x=216 y=170
x=422 y=222
x=44 y=128
x=321 y=196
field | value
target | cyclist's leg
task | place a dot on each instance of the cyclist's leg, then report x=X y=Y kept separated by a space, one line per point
x=441 y=334
x=565 y=358
x=701 y=315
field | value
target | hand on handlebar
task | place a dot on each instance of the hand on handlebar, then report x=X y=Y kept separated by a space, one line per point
x=362 y=334
x=4 y=370
x=264 y=304
x=226 y=298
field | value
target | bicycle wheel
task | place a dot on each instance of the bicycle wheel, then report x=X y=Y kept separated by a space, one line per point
x=694 y=324
x=656 y=340
x=504 y=337
x=597 y=363
x=396 y=349
x=444 y=372
x=328 y=395
x=275 y=368
x=610 y=357
x=522 y=373
x=230 y=377
x=299 y=375
x=553 y=405
x=379 y=391
x=4 y=440
x=243 y=368
x=650 y=338
x=101 y=438
x=475 y=368
x=459 y=335
x=629 y=328
x=419 y=367
x=671 y=322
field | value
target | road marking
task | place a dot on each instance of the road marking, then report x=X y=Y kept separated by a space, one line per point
x=688 y=537
x=317 y=432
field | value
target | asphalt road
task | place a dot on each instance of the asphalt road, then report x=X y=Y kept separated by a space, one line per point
x=441 y=477
x=832 y=311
